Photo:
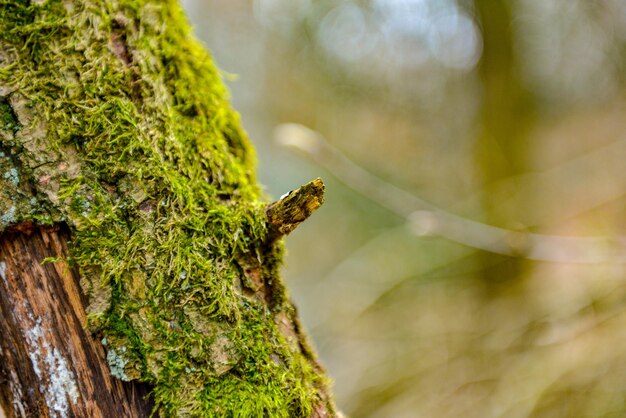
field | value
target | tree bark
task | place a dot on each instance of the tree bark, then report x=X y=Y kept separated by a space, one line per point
x=136 y=245
x=50 y=365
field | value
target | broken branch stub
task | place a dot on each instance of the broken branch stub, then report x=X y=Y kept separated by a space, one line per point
x=284 y=215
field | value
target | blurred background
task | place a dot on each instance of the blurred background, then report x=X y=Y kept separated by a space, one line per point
x=470 y=257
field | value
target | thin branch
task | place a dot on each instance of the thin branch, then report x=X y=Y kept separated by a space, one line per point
x=424 y=218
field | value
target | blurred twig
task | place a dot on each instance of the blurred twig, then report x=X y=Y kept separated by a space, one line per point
x=425 y=218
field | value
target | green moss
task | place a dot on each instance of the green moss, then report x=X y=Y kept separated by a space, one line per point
x=119 y=121
x=8 y=121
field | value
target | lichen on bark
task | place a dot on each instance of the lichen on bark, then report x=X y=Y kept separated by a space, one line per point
x=114 y=120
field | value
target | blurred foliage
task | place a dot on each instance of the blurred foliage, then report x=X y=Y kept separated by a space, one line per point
x=507 y=112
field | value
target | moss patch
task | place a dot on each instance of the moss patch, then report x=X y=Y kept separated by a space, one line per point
x=114 y=120
x=8 y=120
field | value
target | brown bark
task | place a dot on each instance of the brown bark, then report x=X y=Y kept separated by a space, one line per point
x=50 y=365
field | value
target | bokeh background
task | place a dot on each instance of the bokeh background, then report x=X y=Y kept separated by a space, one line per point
x=470 y=258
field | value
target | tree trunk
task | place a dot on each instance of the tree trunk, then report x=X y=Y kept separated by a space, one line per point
x=135 y=243
x=502 y=148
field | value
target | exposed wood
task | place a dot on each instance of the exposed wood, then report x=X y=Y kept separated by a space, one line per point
x=50 y=365
x=284 y=215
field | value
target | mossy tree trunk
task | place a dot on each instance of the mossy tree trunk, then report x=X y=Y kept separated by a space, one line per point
x=133 y=230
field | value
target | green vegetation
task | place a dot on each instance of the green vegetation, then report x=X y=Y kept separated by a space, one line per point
x=114 y=120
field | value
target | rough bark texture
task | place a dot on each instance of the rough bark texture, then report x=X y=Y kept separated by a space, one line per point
x=115 y=123
x=284 y=215
x=52 y=366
